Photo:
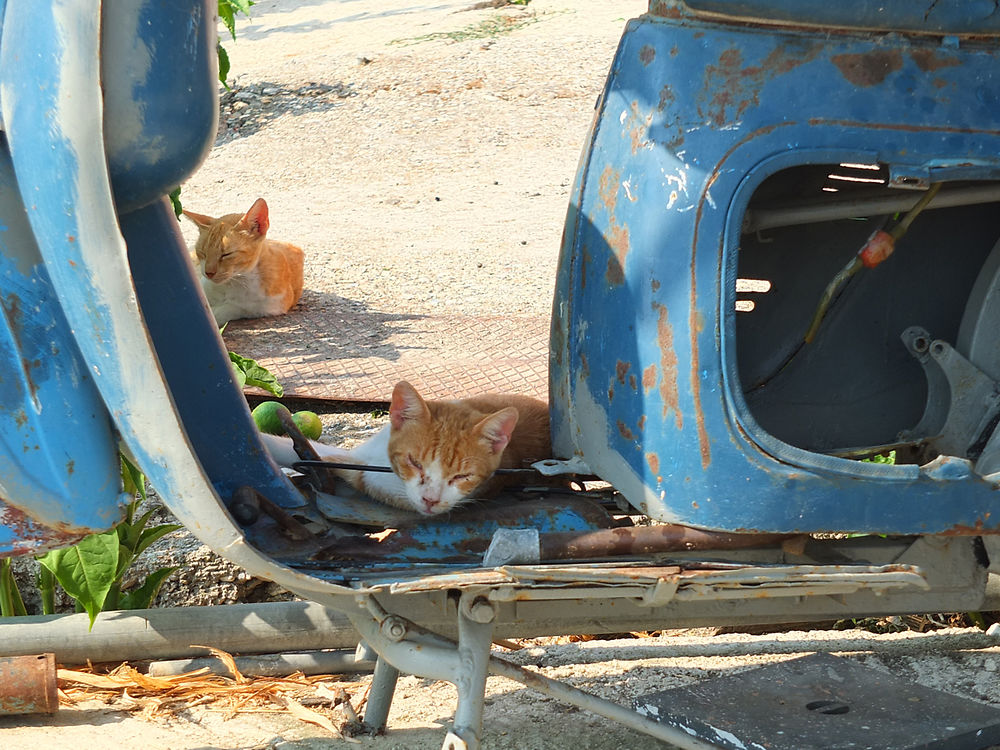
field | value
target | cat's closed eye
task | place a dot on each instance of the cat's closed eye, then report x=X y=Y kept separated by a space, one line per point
x=459 y=478
x=414 y=463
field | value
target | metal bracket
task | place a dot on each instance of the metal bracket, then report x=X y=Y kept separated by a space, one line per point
x=963 y=403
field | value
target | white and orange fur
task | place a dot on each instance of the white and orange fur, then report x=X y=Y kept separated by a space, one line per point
x=244 y=274
x=442 y=453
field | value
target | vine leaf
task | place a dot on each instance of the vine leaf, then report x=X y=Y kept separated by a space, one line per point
x=87 y=570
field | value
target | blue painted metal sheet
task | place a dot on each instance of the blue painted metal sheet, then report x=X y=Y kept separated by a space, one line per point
x=52 y=105
x=643 y=375
x=59 y=475
x=973 y=17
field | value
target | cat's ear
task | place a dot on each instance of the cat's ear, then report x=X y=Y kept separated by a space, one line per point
x=497 y=428
x=406 y=405
x=200 y=220
x=255 y=221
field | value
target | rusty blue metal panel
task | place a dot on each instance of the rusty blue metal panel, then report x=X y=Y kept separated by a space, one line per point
x=59 y=469
x=977 y=17
x=59 y=476
x=695 y=115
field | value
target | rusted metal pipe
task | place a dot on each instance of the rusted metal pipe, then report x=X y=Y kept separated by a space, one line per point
x=644 y=540
x=28 y=684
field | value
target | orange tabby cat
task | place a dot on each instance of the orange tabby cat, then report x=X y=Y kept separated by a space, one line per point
x=244 y=274
x=441 y=452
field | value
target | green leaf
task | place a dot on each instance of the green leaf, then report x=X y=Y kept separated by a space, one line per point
x=133 y=481
x=175 y=201
x=255 y=375
x=228 y=16
x=11 y=603
x=47 y=590
x=223 y=64
x=86 y=570
x=151 y=535
x=142 y=597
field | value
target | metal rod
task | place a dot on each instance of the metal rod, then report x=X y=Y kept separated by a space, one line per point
x=437 y=657
x=475 y=639
x=588 y=702
x=756 y=220
x=168 y=633
x=309 y=465
x=380 y=695
x=643 y=540
x=270 y=665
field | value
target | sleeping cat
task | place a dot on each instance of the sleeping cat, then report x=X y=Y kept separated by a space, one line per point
x=244 y=274
x=441 y=452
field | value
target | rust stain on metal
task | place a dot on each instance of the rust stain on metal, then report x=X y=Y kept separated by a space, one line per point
x=640 y=540
x=697 y=324
x=611 y=393
x=637 y=135
x=647 y=54
x=633 y=382
x=668 y=365
x=642 y=423
x=621 y=370
x=607 y=187
x=624 y=431
x=978 y=528
x=649 y=378
x=868 y=68
x=654 y=462
x=902 y=128
x=584 y=262
x=667 y=97
x=730 y=89
x=664 y=9
x=31 y=534
x=931 y=59
x=618 y=239
x=619 y=243
x=15 y=320
x=28 y=684
x=654 y=285
x=614 y=274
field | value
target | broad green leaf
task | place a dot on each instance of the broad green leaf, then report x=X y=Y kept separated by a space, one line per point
x=142 y=597
x=255 y=375
x=151 y=535
x=86 y=570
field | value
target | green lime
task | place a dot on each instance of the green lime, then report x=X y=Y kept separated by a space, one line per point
x=308 y=424
x=266 y=416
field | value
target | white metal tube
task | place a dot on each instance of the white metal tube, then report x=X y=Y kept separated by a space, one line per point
x=768 y=218
x=169 y=633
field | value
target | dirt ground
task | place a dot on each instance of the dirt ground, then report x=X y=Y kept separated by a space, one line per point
x=421 y=154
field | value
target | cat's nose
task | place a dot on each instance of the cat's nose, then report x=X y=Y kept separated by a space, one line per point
x=430 y=503
x=210 y=274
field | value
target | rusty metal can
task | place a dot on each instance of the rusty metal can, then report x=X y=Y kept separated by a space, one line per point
x=28 y=684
